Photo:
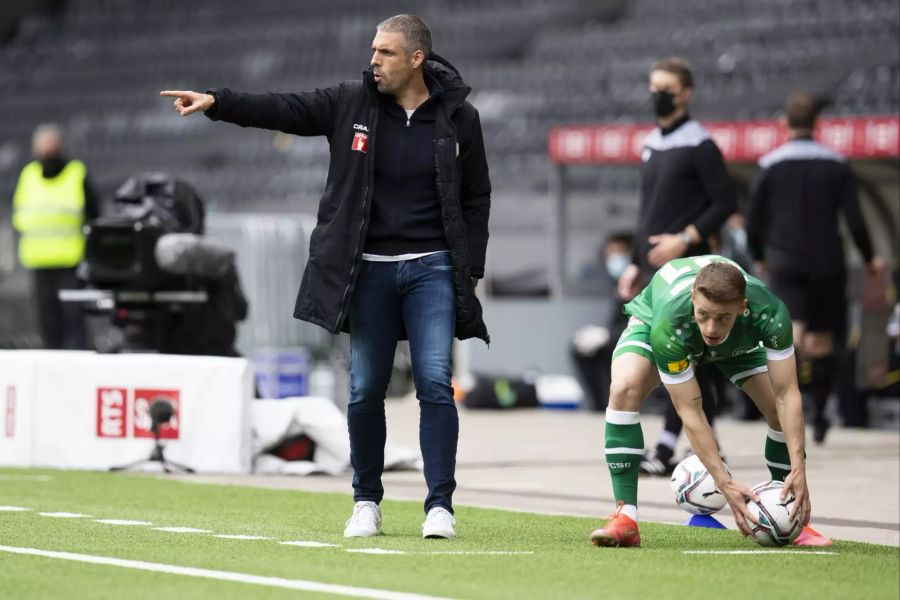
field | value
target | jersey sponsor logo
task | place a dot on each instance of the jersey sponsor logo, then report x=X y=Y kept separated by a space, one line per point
x=743 y=350
x=358 y=127
x=360 y=142
x=678 y=366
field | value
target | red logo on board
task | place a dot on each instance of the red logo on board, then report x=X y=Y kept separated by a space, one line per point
x=10 y=411
x=360 y=142
x=112 y=404
x=143 y=398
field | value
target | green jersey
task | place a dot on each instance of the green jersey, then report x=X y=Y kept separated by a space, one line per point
x=675 y=341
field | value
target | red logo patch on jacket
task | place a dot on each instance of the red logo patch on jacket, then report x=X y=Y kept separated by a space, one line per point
x=360 y=142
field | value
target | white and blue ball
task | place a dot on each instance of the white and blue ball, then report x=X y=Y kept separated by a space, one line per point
x=695 y=490
x=776 y=528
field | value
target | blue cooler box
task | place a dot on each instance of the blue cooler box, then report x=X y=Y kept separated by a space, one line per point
x=282 y=373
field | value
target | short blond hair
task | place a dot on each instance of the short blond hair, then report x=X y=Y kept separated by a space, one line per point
x=721 y=282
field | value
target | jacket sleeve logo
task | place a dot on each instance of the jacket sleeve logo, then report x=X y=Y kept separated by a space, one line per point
x=360 y=142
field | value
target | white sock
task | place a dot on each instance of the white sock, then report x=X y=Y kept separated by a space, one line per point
x=630 y=511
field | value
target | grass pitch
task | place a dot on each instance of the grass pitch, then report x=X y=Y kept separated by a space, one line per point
x=545 y=556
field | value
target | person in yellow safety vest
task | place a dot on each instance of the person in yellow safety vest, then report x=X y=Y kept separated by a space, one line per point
x=52 y=201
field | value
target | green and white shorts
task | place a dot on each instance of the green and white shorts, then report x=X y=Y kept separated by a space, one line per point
x=738 y=369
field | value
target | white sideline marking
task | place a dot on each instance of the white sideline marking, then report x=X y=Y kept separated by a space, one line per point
x=483 y=552
x=441 y=552
x=293 y=584
x=64 y=515
x=122 y=522
x=5 y=477
x=303 y=544
x=13 y=508
x=226 y=536
x=758 y=552
x=181 y=530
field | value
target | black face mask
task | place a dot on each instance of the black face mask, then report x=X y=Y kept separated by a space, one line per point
x=663 y=103
x=52 y=165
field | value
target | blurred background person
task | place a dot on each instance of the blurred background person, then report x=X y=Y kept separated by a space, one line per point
x=592 y=345
x=52 y=201
x=794 y=238
x=686 y=196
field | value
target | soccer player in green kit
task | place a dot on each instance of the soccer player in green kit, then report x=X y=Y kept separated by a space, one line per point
x=705 y=309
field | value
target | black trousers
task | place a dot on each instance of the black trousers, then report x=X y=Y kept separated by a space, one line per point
x=595 y=374
x=62 y=325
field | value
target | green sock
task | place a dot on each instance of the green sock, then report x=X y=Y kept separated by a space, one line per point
x=624 y=449
x=777 y=458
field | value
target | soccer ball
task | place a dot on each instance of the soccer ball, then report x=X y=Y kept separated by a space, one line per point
x=695 y=490
x=776 y=528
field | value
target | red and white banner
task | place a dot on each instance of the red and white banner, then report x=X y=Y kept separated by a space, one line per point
x=143 y=398
x=854 y=137
x=10 y=412
x=92 y=411
x=112 y=412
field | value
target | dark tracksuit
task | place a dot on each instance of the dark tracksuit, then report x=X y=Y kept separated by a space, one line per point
x=683 y=182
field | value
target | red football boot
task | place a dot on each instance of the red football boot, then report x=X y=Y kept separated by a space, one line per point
x=620 y=531
x=811 y=537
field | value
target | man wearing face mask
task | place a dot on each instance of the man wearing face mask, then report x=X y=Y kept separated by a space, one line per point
x=592 y=345
x=686 y=196
x=52 y=201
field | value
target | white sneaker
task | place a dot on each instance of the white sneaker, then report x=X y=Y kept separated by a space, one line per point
x=439 y=523
x=365 y=520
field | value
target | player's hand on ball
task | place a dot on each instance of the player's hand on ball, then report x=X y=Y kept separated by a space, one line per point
x=187 y=102
x=795 y=483
x=736 y=494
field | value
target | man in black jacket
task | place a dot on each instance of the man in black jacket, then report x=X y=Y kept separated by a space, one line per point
x=400 y=240
x=792 y=229
x=686 y=196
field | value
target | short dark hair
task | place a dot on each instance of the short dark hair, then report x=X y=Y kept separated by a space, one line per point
x=414 y=30
x=679 y=67
x=721 y=282
x=620 y=237
x=801 y=111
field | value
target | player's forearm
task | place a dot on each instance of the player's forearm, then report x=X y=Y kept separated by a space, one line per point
x=689 y=404
x=702 y=440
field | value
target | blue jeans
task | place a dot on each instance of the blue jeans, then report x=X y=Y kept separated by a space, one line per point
x=417 y=295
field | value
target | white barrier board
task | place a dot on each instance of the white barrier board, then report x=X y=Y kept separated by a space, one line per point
x=91 y=411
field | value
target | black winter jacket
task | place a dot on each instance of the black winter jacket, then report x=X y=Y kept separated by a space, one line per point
x=347 y=115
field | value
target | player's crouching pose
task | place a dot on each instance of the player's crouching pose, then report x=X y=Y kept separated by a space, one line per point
x=698 y=310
